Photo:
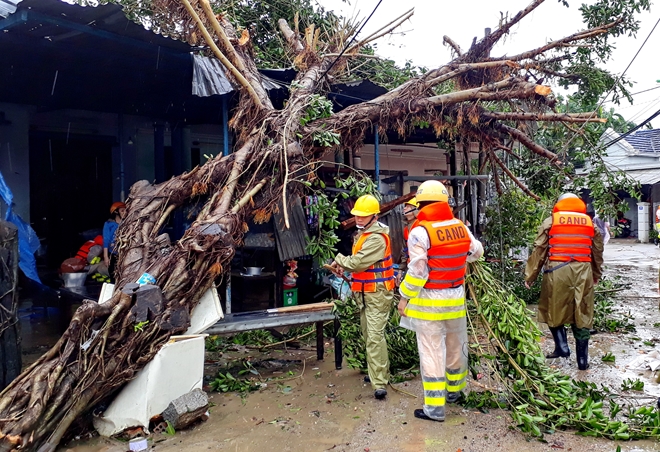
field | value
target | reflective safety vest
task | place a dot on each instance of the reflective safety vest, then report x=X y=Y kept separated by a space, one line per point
x=382 y=271
x=447 y=257
x=571 y=237
x=83 y=252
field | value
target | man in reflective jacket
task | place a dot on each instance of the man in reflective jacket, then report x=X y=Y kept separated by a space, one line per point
x=433 y=297
x=373 y=286
x=569 y=249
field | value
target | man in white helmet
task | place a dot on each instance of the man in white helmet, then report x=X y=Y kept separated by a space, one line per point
x=433 y=297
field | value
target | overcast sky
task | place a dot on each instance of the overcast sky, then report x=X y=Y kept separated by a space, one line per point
x=420 y=38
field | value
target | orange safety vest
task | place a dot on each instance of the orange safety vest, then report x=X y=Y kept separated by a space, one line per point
x=83 y=252
x=450 y=246
x=571 y=233
x=381 y=271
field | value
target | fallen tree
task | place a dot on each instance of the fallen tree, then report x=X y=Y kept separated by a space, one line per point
x=473 y=97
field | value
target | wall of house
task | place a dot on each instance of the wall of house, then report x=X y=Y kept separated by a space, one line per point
x=622 y=156
x=15 y=156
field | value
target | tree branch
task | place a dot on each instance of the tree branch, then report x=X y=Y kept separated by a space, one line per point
x=223 y=59
x=560 y=117
x=513 y=177
x=528 y=143
x=228 y=47
x=561 y=42
x=490 y=40
x=382 y=31
x=496 y=177
x=492 y=91
x=463 y=68
x=450 y=42
x=290 y=36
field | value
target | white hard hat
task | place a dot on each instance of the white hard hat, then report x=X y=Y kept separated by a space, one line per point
x=568 y=195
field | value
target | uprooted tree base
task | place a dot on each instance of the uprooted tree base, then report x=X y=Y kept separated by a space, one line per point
x=275 y=154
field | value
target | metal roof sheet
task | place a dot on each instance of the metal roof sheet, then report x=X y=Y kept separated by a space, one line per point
x=645 y=177
x=209 y=77
x=7 y=7
x=645 y=140
x=291 y=242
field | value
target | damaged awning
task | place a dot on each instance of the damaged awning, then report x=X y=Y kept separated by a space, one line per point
x=209 y=78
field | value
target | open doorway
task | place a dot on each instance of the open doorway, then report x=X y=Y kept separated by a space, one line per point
x=70 y=189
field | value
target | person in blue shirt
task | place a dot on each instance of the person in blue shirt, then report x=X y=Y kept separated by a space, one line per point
x=118 y=212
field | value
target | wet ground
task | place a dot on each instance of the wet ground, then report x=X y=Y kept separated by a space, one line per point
x=316 y=408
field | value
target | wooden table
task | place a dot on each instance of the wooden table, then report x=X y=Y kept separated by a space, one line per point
x=247 y=321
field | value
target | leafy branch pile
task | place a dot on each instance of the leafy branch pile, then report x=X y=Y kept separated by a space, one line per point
x=606 y=318
x=401 y=343
x=541 y=399
x=322 y=244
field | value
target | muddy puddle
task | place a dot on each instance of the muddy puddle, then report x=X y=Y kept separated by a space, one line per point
x=314 y=407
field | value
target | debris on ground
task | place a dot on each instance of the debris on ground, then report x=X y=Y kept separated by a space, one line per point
x=187 y=409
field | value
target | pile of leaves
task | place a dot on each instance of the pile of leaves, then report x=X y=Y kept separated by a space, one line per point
x=401 y=343
x=542 y=400
x=504 y=346
x=606 y=317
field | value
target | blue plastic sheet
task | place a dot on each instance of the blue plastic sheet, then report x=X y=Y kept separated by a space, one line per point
x=28 y=242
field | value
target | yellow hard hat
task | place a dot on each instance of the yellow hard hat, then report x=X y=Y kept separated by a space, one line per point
x=432 y=190
x=413 y=202
x=366 y=205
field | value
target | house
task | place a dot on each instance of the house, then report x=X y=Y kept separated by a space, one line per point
x=638 y=155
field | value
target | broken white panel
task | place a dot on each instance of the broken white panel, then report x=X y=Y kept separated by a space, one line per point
x=647 y=361
x=207 y=312
x=177 y=369
x=106 y=292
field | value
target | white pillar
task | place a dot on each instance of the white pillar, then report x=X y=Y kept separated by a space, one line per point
x=643 y=221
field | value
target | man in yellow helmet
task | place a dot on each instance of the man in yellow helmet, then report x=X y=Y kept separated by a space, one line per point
x=373 y=286
x=433 y=298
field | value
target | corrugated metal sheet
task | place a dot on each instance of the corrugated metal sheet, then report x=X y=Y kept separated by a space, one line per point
x=645 y=140
x=645 y=177
x=209 y=77
x=394 y=220
x=8 y=7
x=291 y=243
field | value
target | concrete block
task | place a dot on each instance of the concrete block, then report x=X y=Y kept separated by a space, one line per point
x=187 y=409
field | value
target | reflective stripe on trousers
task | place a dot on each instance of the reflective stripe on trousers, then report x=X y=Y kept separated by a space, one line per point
x=443 y=364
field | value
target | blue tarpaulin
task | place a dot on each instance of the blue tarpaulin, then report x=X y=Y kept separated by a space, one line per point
x=28 y=242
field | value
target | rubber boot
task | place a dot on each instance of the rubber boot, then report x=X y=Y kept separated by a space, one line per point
x=561 y=343
x=582 y=352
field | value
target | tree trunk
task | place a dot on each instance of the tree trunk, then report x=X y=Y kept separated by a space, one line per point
x=275 y=151
x=10 y=337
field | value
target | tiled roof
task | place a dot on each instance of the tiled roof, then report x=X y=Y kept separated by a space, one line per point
x=645 y=140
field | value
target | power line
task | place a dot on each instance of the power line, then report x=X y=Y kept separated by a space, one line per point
x=348 y=46
x=633 y=130
x=579 y=131
x=638 y=92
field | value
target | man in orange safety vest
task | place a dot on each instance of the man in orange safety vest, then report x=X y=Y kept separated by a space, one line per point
x=373 y=286
x=433 y=297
